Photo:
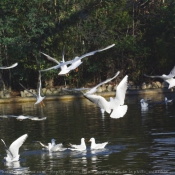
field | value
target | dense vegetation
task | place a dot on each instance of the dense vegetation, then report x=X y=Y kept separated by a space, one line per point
x=143 y=32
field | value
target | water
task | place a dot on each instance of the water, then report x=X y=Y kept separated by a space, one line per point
x=142 y=142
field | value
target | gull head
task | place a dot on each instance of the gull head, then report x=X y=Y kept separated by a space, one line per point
x=92 y=140
x=53 y=141
x=82 y=140
x=142 y=100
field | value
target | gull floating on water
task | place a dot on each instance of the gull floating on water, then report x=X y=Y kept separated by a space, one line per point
x=39 y=98
x=13 y=150
x=168 y=101
x=167 y=78
x=9 y=67
x=53 y=147
x=97 y=146
x=80 y=147
x=144 y=103
x=73 y=63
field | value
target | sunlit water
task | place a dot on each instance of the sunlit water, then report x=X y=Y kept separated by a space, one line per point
x=142 y=142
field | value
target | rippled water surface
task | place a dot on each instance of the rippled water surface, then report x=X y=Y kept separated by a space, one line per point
x=142 y=142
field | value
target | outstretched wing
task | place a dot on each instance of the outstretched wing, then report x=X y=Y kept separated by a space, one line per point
x=39 y=84
x=9 y=67
x=51 y=58
x=77 y=58
x=7 y=150
x=94 y=89
x=92 y=53
x=121 y=90
x=14 y=147
x=172 y=73
x=164 y=77
x=45 y=146
x=28 y=90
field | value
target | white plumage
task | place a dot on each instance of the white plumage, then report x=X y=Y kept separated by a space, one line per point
x=80 y=147
x=73 y=63
x=97 y=146
x=9 y=67
x=167 y=78
x=13 y=150
x=53 y=147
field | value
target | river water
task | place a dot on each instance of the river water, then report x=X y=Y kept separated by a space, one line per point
x=141 y=142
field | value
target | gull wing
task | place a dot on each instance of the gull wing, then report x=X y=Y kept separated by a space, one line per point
x=172 y=73
x=94 y=89
x=51 y=58
x=14 y=147
x=101 y=145
x=7 y=150
x=45 y=146
x=78 y=58
x=99 y=101
x=58 y=147
x=9 y=67
x=165 y=77
x=28 y=91
x=92 y=53
x=39 y=84
x=75 y=89
x=63 y=53
x=121 y=90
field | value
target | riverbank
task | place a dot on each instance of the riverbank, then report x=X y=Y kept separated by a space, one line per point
x=19 y=99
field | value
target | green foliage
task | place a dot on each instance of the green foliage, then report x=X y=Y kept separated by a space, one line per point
x=143 y=32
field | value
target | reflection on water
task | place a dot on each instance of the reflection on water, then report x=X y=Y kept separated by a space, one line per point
x=142 y=142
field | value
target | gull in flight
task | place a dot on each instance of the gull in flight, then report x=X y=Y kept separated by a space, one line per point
x=9 y=67
x=97 y=146
x=53 y=147
x=80 y=147
x=115 y=104
x=13 y=150
x=167 y=78
x=39 y=98
x=73 y=63
x=96 y=99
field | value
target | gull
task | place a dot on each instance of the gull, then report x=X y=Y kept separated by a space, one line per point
x=12 y=151
x=9 y=67
x=22 y=117
x=53 y=147
x=144 y=103
x=80 y=147
x=168 y=101
x=115 y=104
x=73 y=63
x=167 y=78
x=97 y=99
x=39 y=98
x=97 y=146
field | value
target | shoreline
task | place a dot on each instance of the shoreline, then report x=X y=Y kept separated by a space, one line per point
x=18 y=99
